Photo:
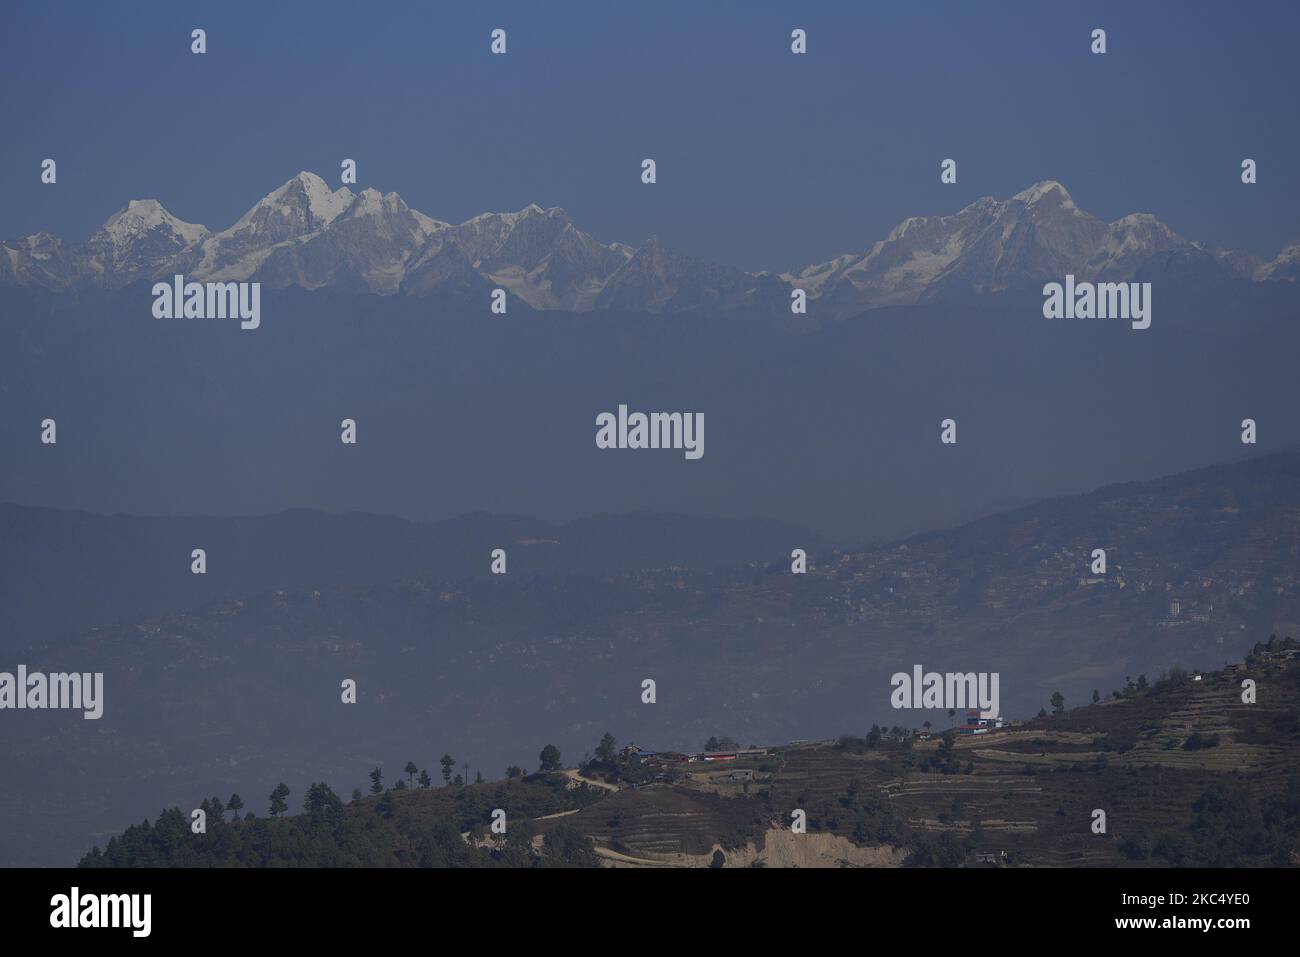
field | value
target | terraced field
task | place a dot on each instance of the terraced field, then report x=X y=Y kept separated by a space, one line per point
x=667 y=821
x=1185 y=772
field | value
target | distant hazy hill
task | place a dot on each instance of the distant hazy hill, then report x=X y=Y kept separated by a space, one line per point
x=62 y=570
x=491 y=669
x=830 y=426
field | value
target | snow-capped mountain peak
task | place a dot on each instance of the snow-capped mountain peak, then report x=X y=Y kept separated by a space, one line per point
x=140 y=216
x=303 y=205
x=306 y=234
x=1047 y=189
x=306 y=201
x=138 y=239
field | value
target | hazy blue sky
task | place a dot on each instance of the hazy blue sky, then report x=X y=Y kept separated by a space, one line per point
x=766 y=159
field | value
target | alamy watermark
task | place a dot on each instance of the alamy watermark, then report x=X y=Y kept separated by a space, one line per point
x=951 y=690
x=37 y=691
x=1102 y=300
x=179 y=299
x=654 y=430
x=74 y=909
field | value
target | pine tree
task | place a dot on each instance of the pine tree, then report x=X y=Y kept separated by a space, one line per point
x=447 y=762
x=410 y=770
x=234 y=805
x=321 y=797
x=425 y=780
x=278 y=805
x=376 y=781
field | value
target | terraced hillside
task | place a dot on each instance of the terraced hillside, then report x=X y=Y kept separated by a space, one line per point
x=1185 y=772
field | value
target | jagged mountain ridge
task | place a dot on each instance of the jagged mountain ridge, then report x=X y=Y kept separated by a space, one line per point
x=304 y=234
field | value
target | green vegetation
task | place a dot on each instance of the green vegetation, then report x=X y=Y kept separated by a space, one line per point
x=407 y=828
x=1230 y=827
x=550 y=758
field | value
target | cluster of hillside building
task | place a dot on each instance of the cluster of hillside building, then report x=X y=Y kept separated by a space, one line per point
x=645 y=756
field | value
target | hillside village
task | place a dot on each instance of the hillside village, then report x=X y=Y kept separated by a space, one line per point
x=987 y=792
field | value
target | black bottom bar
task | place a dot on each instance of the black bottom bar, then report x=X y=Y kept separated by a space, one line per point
x=370 y=907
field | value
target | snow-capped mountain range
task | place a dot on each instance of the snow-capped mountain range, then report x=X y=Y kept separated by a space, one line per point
x=305 y=234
